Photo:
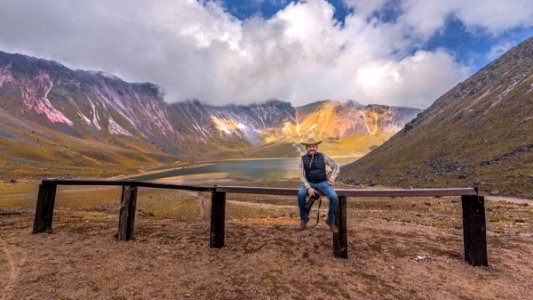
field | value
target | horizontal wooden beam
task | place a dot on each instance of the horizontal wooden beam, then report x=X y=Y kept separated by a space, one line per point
x=257 y=190
x=355 y=192
x=128 y=183
x=431 y=192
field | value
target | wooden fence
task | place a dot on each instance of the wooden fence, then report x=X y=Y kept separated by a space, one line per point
x=473 y=208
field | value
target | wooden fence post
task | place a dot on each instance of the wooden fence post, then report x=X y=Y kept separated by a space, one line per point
x=340 y=240
x=44 y=211
x=474 y=230
x=218 y=218
x=126 y=219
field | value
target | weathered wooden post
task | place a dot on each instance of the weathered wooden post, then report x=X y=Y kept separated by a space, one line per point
x=218 y=219
x=340 y=240
x=126 y=219
x=474 y=230
x=44 y=211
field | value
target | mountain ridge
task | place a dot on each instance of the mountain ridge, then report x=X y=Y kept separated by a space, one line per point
x=483 y=119
x=100 y=107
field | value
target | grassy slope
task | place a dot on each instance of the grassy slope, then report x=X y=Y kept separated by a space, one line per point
x=37 y=151
x=478 y=120
x=352 y=145
x=43 y=152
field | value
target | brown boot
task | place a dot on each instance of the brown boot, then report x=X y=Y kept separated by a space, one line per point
x=333 y=228
x=303 y=224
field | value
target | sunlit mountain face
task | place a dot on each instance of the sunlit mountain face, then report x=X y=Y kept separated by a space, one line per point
x=49 y=110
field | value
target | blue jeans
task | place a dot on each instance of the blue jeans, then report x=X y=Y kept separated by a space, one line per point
x=327 y=190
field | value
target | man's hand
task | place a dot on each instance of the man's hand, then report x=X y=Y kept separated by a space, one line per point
x=330 y=182
x=311 y=191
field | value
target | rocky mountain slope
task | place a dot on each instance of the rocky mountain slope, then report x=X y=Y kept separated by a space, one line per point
x=480 y=132
x=45 y=104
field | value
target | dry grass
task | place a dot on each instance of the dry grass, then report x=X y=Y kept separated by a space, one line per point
x=265 y=256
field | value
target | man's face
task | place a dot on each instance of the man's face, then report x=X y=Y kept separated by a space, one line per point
x=311 y=149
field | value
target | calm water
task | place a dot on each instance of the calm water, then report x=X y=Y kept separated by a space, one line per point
x=274 y=168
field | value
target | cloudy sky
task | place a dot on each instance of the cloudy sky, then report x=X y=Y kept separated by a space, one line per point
x=397 y=52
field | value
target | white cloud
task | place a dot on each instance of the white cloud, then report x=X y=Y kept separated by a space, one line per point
x=301 y=54
x=495 y=15
x=499 y=49
x=419 y=78
x=422 y=18
x=365 y=8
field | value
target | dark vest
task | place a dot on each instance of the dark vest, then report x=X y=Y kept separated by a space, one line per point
x=315 y=171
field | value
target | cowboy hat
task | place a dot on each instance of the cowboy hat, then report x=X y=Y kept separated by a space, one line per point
x=311 y=141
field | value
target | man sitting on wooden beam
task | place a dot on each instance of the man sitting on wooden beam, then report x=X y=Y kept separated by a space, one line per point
x=314 y=178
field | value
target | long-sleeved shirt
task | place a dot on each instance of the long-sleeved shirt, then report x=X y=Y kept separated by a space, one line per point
x=329 y=162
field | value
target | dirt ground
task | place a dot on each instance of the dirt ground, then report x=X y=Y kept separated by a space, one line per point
x=265 y=256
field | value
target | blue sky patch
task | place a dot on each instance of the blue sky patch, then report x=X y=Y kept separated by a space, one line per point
x=474 y=50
